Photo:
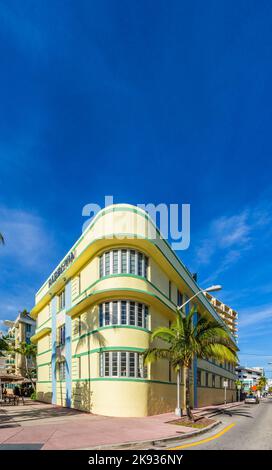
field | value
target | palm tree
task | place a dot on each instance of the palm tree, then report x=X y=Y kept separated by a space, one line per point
x=206 y=339
x=27 y=351
x=262 y=383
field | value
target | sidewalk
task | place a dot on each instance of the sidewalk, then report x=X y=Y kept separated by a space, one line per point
x=52 y=427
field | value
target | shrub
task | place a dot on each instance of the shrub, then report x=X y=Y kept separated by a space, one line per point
x=33 y=396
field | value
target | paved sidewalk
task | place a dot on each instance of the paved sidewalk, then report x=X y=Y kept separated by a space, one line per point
x=52 y=427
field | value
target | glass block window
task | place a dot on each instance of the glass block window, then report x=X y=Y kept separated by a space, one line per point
x=123 y=261
x=122 y=364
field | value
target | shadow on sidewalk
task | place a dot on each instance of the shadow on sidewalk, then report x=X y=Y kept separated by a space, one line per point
x=25 y=414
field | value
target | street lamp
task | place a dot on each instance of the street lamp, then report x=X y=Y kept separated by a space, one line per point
x=208 y=289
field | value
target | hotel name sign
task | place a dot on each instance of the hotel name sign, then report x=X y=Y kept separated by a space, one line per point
x=67 y=261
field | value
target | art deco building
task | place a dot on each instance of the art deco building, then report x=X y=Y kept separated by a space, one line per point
x=94 y=315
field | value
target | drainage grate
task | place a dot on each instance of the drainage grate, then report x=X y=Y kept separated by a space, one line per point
x=21 y=446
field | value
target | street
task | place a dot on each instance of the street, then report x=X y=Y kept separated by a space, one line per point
x=249 y=428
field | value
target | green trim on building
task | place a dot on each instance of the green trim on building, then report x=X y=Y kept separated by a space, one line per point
x=46 y=321
x=135 y=276
x=44 y=364
x=122 y=379
x=151 y=294
x=113 y=348
x=44 y=352
x=110 y=327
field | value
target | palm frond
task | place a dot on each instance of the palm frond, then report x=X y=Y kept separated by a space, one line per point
x=164 y=333
x=153 y=354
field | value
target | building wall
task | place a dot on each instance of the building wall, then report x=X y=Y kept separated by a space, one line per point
x=83 y=387
x=213 y=392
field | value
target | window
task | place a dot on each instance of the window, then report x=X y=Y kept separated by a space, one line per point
x=114 y=366
x=179 y=298
x=62 y=370
x=122 y=262
x=115 y=268
x=61 y=300
x=122 y=364
x=140 y=264
x=132 y=313
x=79 y=283
x=28 y=328
x=123 y=312
x=132 y=266
x=107 y=313
x=198 y=377
x=79 y=325
x=131 y=364
x=213 y=380
x=145 y=325
x=101 y=315
x=140 y=314
x=79 y=367
x=101 y=266
x=61 y=335
x=114 y=313
x=207 y=379
x=107 y=263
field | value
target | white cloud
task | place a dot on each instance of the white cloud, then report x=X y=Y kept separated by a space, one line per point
x=255 y=315
x=233 y=230
x=26 y=239
x=227 y=238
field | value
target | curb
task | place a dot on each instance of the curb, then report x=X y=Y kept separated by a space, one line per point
x=154 y=442
x=227 y=408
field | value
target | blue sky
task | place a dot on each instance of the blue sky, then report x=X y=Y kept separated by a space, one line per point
x=149 y=102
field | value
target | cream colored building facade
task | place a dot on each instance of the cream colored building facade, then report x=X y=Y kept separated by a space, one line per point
x=94 y=315
x=19 y=330
x=228 y=314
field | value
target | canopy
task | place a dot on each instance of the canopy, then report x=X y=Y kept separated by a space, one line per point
x=7 y=378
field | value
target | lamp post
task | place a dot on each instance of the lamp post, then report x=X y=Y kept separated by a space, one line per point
x=178 y=411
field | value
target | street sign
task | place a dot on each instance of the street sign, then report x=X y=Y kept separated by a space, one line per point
x=225 y=383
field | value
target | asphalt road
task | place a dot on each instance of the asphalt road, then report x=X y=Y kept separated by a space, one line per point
x=251 y=430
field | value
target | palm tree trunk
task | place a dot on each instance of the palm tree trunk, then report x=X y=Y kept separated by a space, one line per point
x=187 y=381
x=29 y=373
x=184 y=391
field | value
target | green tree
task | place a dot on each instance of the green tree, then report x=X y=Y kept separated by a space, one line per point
x=184 y=340
x=261 y=383
x=3 y=346
x=28 y=351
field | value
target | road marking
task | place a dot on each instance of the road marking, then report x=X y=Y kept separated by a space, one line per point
x=226 y=429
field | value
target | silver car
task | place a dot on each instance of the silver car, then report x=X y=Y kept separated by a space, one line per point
x=252 y=399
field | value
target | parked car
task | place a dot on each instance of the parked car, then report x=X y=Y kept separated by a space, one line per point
x=252 y=399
